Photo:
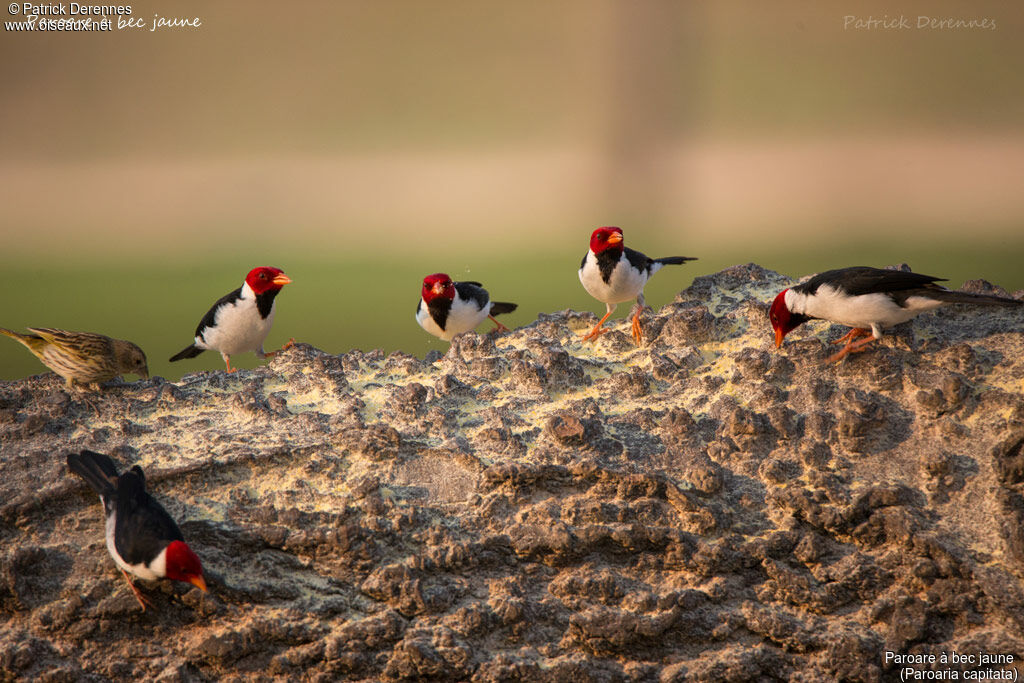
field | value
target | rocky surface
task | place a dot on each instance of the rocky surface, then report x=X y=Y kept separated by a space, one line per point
x=525 y=507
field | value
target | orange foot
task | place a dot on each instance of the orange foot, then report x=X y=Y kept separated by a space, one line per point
x=598 y=330
x=227 y=361
x=637 y=332
x=500 y=327
x=271 y=354
x=851 y=347
x=138 y=596
x=853 y=334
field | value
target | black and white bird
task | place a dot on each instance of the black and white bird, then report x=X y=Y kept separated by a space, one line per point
x=141 y=537
x=240 y=321
x=612 y=273
x=449 y=308
x=867 y=300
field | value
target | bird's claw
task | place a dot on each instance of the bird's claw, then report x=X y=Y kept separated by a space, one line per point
x=852 y=334
x=289 y=344
x=637 y=331
x=851 y=347
x=499 y=327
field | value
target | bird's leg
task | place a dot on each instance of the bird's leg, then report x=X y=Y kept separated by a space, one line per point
x=851 y=347
x=637 y=332
x=596 y=332
x=78 y=393
x=500 y=327
x=853 y=334
x=637 y=310
x=138 y=595
x=288 y=345
x=227 y=361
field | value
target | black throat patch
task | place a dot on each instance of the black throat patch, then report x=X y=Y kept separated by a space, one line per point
x=606 y=262
x=439 y=308
x=265 y=301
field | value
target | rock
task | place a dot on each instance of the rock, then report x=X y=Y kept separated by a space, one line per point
x=527 y=507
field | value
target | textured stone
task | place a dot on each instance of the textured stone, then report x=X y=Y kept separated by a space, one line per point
x=528 y=507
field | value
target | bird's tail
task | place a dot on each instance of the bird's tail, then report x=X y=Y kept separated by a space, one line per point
x=30 y=340
x=190 y=351
x=499 y=307
x=97 y=469
x=952 y=297
x=674 y=260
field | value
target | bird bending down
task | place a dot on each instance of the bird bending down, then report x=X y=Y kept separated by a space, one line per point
x=82 y=358
x=141 y=537
x=613 y=273
x=867 y=300
x=240 y=320
x=449 y=308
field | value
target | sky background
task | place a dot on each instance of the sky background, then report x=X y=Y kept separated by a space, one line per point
x=362 y=145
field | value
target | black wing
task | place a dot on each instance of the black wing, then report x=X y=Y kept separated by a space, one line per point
x=473 y=291
x=866 y=280
x=640 y=261
x=143 y=526
x=210 y=319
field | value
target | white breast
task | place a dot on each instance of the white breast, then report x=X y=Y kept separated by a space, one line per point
x=463 y=317
x=239 y=327
x=625 y=283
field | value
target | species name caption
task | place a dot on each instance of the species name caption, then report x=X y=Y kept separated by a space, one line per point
x=76 y=16
x=969 y=666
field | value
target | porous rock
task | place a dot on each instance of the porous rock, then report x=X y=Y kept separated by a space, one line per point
x=528 y=507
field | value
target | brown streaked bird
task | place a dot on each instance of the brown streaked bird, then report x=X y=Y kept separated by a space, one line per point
x=82 y=358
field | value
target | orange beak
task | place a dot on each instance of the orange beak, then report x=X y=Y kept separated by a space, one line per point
x=280 y=280
x=438 y=288
x=614 y=238
x=779 y=334
x=198 y=582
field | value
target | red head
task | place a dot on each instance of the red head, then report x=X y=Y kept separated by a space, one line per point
x=183 y=565
x=606 y=238
x=265 y=278
x=783 y=320
x=438 y=285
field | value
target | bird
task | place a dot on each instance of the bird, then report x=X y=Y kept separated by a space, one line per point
x=141 y=536
x=613 y=273
x=240 y=320
x=82 y=358
x=449 y=308
x=866 y=299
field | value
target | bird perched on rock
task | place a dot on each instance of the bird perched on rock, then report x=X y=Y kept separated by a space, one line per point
x=141 y=537
x=240 y=320
x=612 y=273
x=449 y=308
x=83 y=357
x=866 y=299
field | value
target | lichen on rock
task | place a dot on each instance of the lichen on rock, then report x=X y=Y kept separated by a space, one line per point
x=702 y=507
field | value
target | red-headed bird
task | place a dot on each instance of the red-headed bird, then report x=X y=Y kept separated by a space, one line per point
x=612 y=273
x=240 y=320
x=449 y=308
x=141 y=537
x=866 y=299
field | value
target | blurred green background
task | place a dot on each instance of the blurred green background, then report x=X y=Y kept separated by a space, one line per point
x=360 y=146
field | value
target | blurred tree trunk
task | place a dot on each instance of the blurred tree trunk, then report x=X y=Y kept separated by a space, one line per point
x=655 y=60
